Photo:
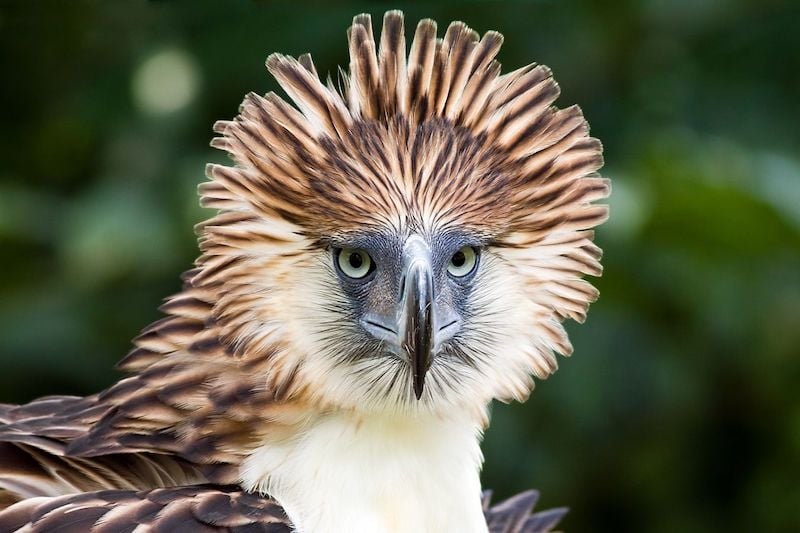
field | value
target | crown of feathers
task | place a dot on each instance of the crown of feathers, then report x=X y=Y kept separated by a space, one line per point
x=431 y=138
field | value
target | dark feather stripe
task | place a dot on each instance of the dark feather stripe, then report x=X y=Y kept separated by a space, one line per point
x=307 y=63
x=363 y=67
x=460 y=42
x=420 y=66
x=392 y=60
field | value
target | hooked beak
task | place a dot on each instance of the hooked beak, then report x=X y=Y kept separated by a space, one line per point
x=416 y=310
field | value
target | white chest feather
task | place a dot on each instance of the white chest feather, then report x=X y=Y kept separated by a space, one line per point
x=374 y=474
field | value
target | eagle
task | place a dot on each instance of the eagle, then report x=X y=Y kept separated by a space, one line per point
x=389 y=252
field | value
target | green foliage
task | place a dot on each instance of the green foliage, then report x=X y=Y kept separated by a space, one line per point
x=679 y=410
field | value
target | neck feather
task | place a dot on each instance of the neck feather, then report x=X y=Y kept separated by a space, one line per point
x=375 y=472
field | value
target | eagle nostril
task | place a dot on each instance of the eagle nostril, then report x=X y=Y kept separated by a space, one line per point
x=381 y=326
x=447 y=332
x=453 y=323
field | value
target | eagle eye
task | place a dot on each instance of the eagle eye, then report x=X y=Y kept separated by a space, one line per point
x=463 y=262
x=354 y=262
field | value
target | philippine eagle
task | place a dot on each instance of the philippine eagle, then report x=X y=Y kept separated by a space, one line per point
x=388 y=255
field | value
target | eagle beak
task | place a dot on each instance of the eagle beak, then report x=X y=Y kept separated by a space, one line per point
x=416 y=310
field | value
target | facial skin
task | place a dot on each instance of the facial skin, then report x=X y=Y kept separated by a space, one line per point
x=410 y=296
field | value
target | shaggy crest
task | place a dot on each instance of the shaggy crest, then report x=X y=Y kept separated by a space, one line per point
x=438 y=138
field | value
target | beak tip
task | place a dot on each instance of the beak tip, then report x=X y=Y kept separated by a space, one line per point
x=418 y=390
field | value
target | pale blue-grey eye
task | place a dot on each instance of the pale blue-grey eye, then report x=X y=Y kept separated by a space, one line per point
x=354 y=263
x=462 y=262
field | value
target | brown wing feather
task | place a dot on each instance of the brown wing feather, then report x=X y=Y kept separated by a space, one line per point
x=35 y=456
x=212 y=508
x=514 y=514
x=190 y=414
x=28 y=470
x=199 y=508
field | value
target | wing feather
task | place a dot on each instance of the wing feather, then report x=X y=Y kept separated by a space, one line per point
x=514 y=515
x=199 y=508
x=212 y=508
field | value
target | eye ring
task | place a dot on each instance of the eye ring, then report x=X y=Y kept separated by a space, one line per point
x=354 y=263
x=463 y=262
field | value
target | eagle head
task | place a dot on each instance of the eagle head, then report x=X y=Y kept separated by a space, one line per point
x=409 y=238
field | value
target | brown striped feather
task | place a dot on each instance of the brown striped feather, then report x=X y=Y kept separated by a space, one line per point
x=213 y=508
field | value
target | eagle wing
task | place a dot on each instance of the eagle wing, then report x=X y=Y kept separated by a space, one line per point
x=35 y=460
x=212 y=508
x=189 y=403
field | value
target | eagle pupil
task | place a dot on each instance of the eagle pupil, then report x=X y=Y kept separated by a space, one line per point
x=459 y=259
x=355 y=260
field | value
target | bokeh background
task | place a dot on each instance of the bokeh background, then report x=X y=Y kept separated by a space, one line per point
x=680 y=410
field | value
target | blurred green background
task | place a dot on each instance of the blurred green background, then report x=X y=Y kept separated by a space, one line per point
x=680 y=410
